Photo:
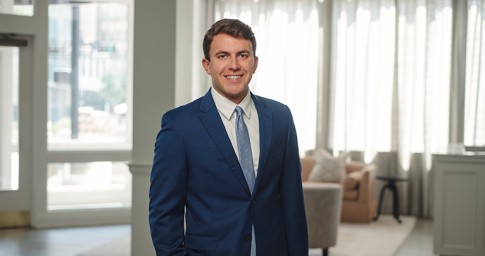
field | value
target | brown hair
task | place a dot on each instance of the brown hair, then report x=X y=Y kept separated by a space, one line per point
x=232 y=27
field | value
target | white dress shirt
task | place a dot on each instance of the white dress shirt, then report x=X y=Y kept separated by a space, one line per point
x=226 y=110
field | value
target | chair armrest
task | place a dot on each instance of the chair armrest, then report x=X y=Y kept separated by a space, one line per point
x=366 y=185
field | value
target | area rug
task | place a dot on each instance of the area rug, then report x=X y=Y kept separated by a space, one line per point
x=378 y=238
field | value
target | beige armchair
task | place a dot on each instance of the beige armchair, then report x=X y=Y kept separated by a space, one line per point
x=358 y=201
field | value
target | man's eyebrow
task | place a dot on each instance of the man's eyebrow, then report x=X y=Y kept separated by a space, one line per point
x=221 y=52
x=244 y=51
x=227 y=53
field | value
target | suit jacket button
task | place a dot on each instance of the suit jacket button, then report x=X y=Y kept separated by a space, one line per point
x=253 y=201
x=248 y=238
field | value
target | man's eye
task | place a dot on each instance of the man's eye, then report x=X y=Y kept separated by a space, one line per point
x=244 y=55
x=221 y=56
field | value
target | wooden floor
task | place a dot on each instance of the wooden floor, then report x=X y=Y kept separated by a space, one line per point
x=80 y=241
x=60 y=242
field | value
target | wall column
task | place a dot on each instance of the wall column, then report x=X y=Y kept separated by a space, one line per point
x=153 y=94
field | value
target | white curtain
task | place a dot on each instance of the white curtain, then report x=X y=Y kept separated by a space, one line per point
x=424 y=82
x=391 y=87
x=393 y=66
x=287 y=46
x=392 y=75
x=423 y=78
x=363 y=46
x=475 y=75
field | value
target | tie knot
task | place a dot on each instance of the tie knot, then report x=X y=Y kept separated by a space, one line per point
x=239 y=111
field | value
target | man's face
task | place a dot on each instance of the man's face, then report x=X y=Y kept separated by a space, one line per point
x=232 y=64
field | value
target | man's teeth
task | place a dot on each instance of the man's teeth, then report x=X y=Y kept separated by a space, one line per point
x=233 y=77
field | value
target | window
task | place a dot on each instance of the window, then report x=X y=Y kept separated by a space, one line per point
x=89 y=94
x=87 y=185
x=88 y=75
x=17 y=7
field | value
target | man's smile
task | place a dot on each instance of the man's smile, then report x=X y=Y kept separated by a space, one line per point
x=233 y=77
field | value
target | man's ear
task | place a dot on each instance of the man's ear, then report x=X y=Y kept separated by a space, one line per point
x=205 y=65
x=256 y=59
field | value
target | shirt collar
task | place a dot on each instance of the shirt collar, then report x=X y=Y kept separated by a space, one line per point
x=226 y=107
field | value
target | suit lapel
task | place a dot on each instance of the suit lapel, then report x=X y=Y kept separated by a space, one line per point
x=265 y=128
x=211 y=119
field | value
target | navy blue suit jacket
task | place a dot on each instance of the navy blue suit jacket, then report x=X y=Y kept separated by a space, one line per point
x=196 y=172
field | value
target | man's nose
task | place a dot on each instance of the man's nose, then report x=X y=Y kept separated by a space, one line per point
x=234 y=65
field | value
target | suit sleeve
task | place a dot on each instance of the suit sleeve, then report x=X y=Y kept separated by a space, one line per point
x=292 y=196
x=168 y=191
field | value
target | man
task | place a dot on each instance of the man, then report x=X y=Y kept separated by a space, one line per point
x=228 y=162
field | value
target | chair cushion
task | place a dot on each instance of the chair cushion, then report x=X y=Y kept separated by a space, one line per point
x=351 y=180
x=327 y=168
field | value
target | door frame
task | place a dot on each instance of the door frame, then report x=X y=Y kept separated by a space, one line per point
x=32 y=79
x=32 y=110
x=20 y=200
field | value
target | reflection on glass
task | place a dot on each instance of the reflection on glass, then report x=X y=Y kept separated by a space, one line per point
x=88 y=185
x=88 y=74
x=17 y=7
x=9 y=118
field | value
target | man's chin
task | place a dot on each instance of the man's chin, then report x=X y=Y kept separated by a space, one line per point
x=236 y=97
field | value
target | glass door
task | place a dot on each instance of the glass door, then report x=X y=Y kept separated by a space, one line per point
x=9 y=116
x=65 y=111
x=14 y=186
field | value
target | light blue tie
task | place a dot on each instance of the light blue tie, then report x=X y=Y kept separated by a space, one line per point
x=244 y=149
x=245 y=159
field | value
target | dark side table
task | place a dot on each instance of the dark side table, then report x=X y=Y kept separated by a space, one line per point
x=391 y=185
